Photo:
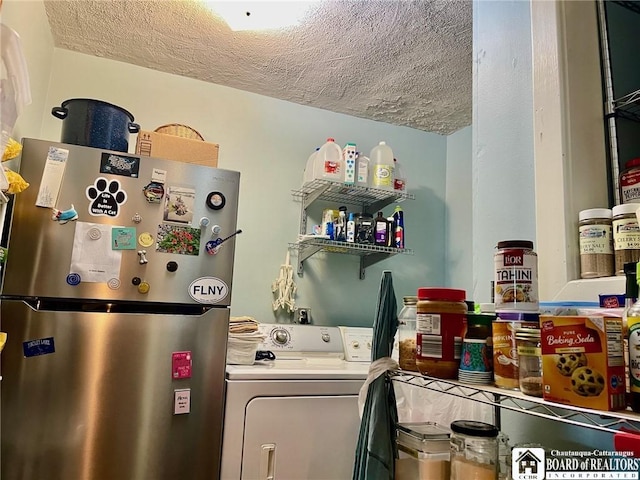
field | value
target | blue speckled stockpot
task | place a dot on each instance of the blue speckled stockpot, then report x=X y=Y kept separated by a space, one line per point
x=94 y=123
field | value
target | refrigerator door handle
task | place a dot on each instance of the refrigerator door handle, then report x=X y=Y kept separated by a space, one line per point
x=267 y=461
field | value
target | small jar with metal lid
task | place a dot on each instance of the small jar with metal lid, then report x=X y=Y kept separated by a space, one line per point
x=407 y=334
x=626 y=235
x=441 y=315
x=474 y=451
x=596 y=243
x=529 y=361
x=516 y=276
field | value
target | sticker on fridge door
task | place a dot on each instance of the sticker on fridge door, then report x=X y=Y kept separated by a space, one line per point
x=119 y=165
x=208 y=290
x=105 y=197
x=39 y=346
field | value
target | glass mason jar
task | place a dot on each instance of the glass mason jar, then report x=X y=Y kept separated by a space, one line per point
x=407 y=334
x=474 y=451
x=529 y=361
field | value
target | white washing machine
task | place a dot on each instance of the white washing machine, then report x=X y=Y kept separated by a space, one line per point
x=296 y=417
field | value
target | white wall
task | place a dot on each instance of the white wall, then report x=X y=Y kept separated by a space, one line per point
x=503 y=172
x=29 y=20
x=458 y=218
x=268 y=141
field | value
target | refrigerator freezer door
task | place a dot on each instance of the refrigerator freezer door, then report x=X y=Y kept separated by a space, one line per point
x=130 y=247
x=98 y=402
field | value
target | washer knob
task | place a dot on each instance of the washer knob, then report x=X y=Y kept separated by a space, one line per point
x=326 y=338
x=280 y=336
x=172 y=266
x=355 y=344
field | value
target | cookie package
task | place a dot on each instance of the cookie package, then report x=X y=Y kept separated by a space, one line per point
x=582 y=361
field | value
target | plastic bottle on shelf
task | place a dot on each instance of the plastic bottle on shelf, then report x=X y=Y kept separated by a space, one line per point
x=380 y=230
x=349 y=156
x=351 y=228
x=381 y=159
x=399 y=179
x=309 y=173
x=398 y=220
x=363 y=171
x=329 y=162
x=341 y=225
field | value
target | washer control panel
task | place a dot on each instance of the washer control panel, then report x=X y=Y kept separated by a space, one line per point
x=303 y=339
x=358 y=342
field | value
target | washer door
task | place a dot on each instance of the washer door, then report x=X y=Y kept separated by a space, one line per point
x=310 y=437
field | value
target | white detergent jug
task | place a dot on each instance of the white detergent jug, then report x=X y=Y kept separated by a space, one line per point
x=329 y=162
x=309 y=173
x=381 y=159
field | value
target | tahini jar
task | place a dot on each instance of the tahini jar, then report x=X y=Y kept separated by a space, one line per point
x=596 y=243
x=516 y=276
x=439 y=330
x=626 y=235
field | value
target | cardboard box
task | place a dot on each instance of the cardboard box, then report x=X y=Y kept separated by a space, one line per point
x=582 y=361
x=171 y=147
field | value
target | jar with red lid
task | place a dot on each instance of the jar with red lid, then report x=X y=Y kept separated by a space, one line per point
x=630 y=182
x=440 y=326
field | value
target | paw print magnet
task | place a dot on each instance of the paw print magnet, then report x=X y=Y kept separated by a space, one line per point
x=105 y=197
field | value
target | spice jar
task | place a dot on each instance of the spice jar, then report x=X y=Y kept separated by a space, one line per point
x=505 y=351
x=439 y=330
x=626 y=235
x=630 y=181
x=476 y=362
x=596 y=243
x=516 y=276
x=529 y=361
x=474 y=451
x=407 y=334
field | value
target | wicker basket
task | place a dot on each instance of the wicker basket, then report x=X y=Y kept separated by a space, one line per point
x=179 y=130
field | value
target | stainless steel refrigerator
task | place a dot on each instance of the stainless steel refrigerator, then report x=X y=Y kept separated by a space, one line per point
x=115 y=298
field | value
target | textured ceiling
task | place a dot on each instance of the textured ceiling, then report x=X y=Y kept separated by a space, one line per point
x=400 y=62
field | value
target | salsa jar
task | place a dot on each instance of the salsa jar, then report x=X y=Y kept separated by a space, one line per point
x=516 y=276
x=440 y=326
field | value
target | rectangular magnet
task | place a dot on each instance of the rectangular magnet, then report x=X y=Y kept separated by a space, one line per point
x=40 y=346
x=181 y=365
x=181 y=401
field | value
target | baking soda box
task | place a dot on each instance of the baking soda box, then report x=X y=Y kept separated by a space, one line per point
x=582 y=361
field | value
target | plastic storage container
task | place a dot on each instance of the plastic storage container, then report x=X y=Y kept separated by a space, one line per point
x=474 y=451
x=407 y=334
x=423 y=452
x=439 y=330
x=381 y=159
x=329 y=164
x=596 y=243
